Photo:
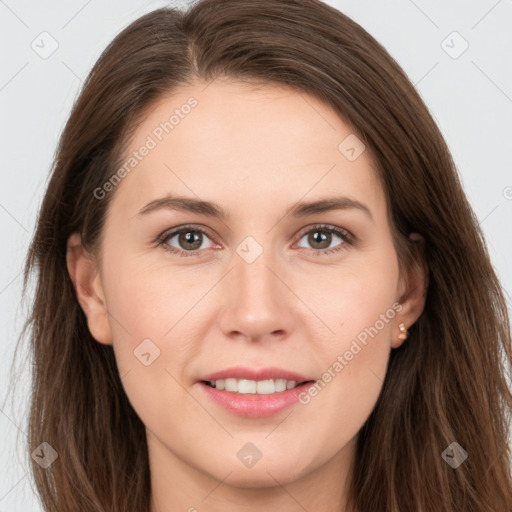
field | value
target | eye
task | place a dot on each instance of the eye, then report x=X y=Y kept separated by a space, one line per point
x=189 y=240
x=321 y=237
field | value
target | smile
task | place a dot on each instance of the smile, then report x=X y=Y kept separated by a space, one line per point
x=260 y=387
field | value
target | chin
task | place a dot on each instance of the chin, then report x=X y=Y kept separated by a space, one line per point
x=262 y=474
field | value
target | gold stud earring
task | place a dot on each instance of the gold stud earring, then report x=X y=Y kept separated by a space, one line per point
x=403 y=332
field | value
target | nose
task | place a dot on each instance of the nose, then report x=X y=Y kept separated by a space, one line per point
x=257 y=303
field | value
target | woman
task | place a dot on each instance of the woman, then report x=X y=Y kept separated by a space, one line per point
x=260 y=284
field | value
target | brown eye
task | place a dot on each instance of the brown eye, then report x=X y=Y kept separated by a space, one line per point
x=190 y=240
x=320 y=239
x=185 y=240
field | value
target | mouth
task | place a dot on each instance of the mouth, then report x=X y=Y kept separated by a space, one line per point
x=254 y=392
x=254 y=387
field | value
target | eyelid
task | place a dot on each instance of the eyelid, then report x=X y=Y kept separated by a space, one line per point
x=347 y=237
x=328 y=227
x=170 y=233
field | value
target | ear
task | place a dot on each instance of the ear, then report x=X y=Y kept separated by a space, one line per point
x=87 y=282
x=413 y=288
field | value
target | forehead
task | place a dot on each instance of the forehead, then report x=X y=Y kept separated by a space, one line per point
x=244 y=144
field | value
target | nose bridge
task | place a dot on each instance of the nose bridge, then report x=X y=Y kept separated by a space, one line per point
x=256 y=303
x=255 y=281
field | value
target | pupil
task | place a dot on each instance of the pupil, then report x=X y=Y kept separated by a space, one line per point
x=189 y=237
x=323 y=238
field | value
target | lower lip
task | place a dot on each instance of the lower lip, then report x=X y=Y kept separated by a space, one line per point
x=254 y=405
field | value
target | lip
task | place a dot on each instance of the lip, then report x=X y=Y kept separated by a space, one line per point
x=253 y=405
x=241 y=372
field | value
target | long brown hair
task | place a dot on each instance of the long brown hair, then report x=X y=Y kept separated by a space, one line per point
x=446 y=384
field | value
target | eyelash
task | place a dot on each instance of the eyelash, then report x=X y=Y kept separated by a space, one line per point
x=345 y=235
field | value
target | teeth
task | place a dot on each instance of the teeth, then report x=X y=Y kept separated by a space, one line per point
x=260 y=387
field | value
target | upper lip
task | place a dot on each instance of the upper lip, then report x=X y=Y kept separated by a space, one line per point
x=241 y=372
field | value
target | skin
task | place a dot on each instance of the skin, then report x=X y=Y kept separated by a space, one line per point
x=255 y=151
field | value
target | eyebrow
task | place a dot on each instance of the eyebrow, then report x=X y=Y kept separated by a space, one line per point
x=209 y=209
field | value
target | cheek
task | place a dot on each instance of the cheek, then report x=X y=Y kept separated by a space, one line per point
x=146 y=314
x=357 y=300
x=354 y=367
x=360 y=307
x=146 y=302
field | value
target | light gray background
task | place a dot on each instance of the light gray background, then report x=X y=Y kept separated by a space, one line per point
x=470 y=97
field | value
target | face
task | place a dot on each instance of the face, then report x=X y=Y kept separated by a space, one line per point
x=274 y=288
